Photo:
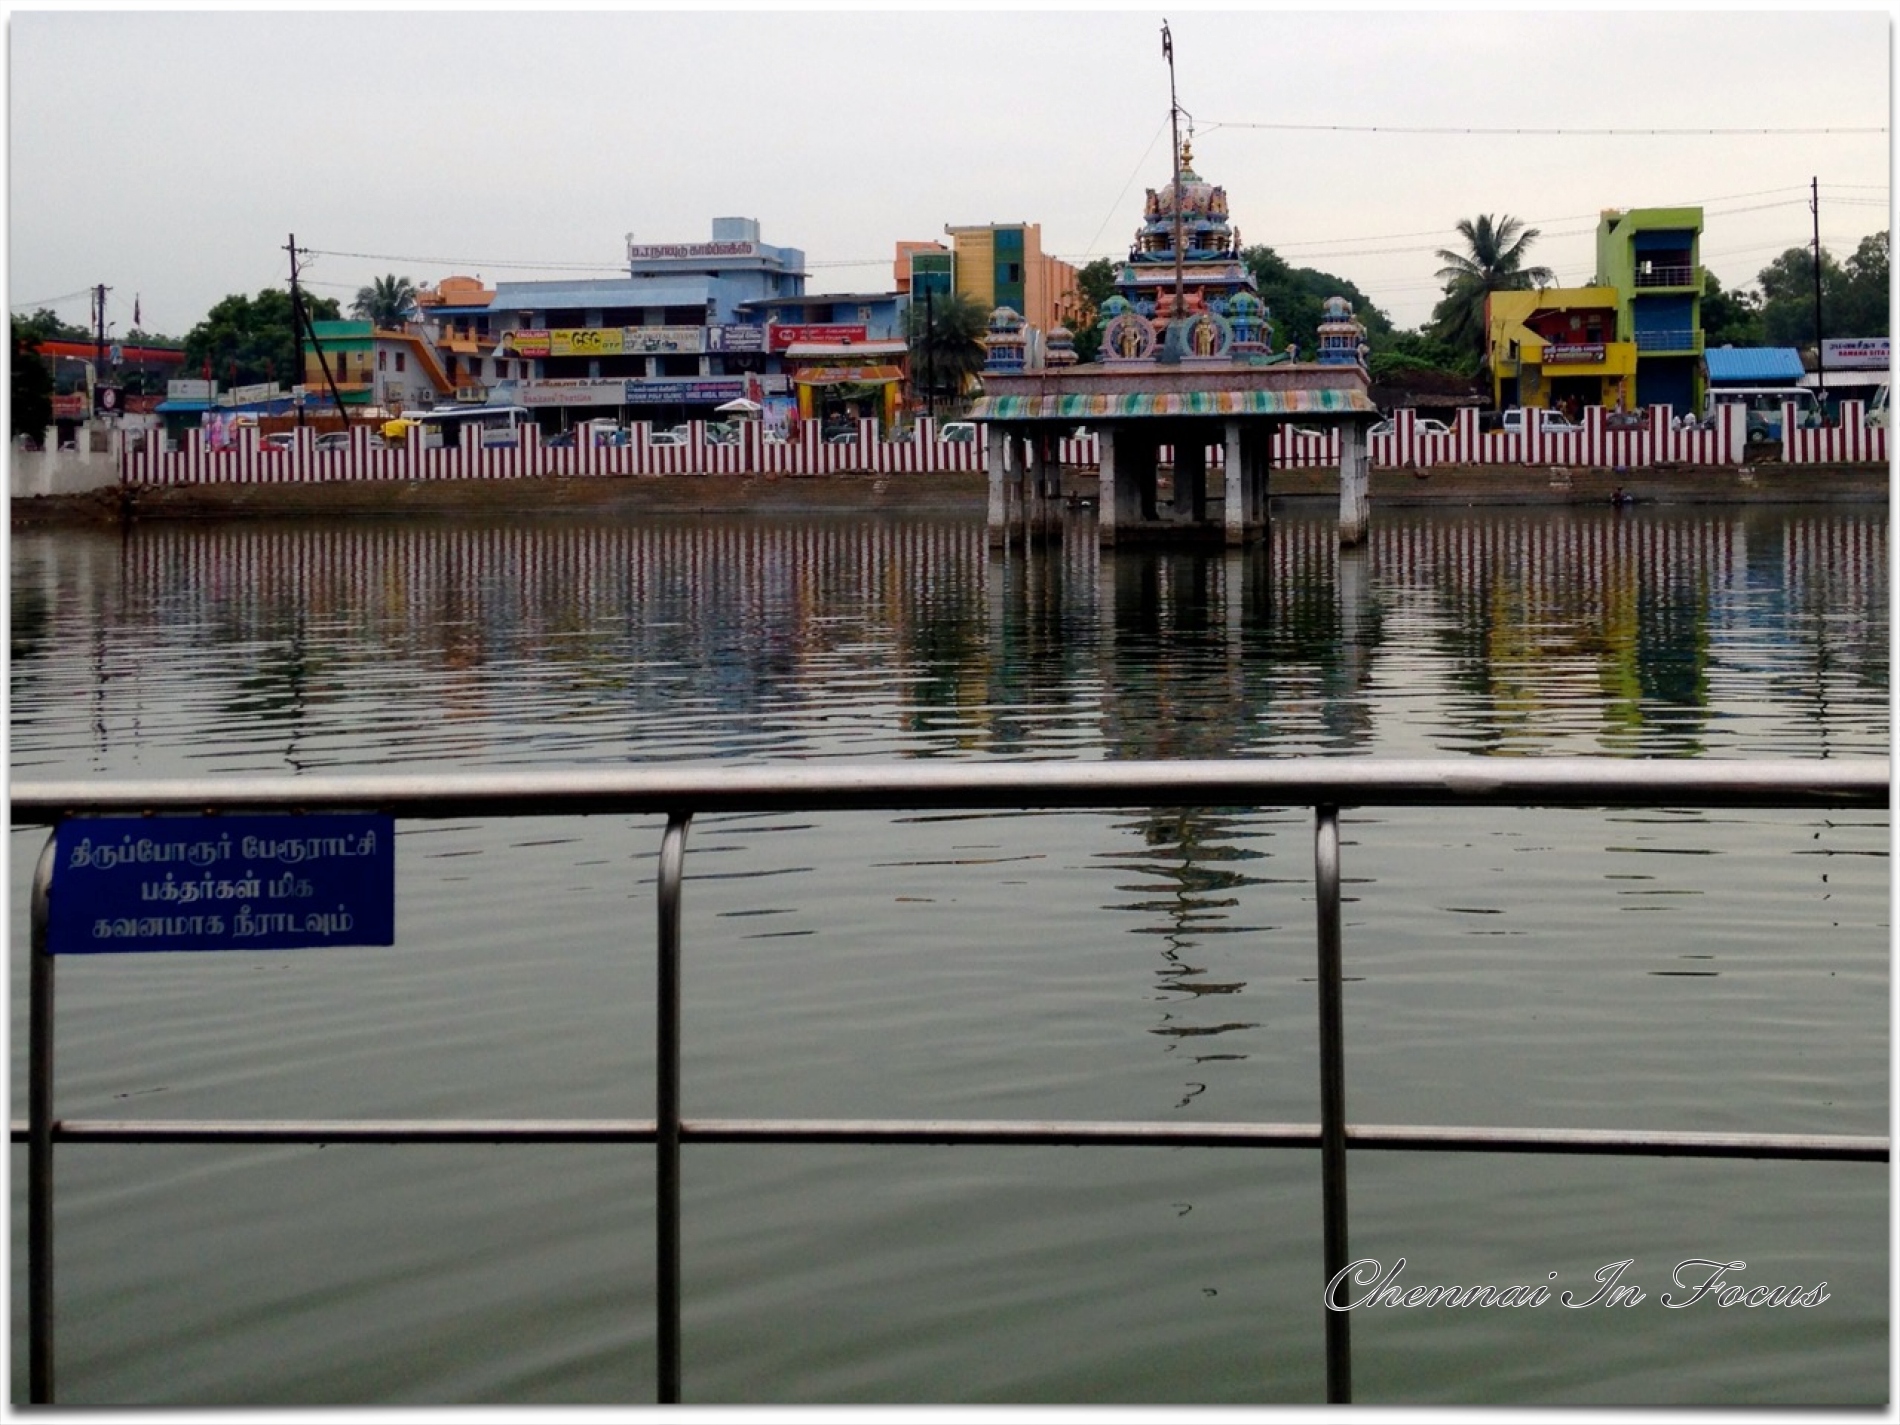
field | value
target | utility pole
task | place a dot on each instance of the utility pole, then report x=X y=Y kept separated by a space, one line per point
x=99 y=324
x=930 y=343
x=1820 y=360
x=1175 y=328
x=300 y=323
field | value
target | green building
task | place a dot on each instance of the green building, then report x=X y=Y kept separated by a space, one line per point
x=1651 y=257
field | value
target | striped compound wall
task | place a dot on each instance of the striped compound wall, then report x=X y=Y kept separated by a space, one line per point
x=808 y=454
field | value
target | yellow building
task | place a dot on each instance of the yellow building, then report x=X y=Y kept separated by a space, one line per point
x=1557 y=348
x=1003 y=265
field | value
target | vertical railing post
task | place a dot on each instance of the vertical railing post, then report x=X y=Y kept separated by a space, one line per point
x=667 y=1112
x=1332 y=1096
x=39 y=1141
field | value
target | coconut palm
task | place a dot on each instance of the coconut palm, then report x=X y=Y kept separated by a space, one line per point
x=1493 y=261
x=387 y=301
x=946 y=342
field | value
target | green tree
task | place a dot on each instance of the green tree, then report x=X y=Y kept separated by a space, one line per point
x=46 y=326
x=1081 y=313
x=1731 y=318
x=245 y=340
x=31 y=384
x=387 y=301
x=1296 y=296
x=1861 y=307
x=1787 y=293
x=1493 y=261
x=1400 y=354
x=946 y=344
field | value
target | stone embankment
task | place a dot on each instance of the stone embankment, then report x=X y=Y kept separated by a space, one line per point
x=1764 y=483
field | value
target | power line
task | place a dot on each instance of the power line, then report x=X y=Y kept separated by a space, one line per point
x=1537 y=133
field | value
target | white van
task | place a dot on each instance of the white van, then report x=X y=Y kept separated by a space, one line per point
x=1763 y=406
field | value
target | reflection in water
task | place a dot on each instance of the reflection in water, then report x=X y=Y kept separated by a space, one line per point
x=1569 y=969
x=1523 y=632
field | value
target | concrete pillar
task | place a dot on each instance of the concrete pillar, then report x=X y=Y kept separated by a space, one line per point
x=1260 y=469
x=1039 y=507
x=1108 y=486
x=999 y=496
x=1190 y=477
x=1235 y=504
x=1355 y=474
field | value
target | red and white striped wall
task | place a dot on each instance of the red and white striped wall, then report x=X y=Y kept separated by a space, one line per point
x=809 y=454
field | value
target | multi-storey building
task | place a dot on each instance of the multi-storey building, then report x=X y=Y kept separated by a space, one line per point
x=1557 y=348
x=1650 y=257
x=387 y=370
x=998 y=265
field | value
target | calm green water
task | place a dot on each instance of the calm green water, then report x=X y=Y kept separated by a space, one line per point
x=1670 y=969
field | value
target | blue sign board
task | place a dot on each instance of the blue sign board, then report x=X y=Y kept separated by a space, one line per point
x=130 y=884
x=682 y=390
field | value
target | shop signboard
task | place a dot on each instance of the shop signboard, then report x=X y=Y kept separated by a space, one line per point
x=190 y=390
x=1866 y=353
x=684 y=390
x=735 y=339
x=664 y=341
x=604 y=341
x=688 y=251
x=1573 y=353
x=784 y=336
x=567 y=393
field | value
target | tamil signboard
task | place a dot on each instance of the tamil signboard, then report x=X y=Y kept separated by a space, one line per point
x=1866 y=353
x=129 y=884
x=191 y=390
x=688 y=251
x=1573 y=353
x=784 y=336
x=684 y=390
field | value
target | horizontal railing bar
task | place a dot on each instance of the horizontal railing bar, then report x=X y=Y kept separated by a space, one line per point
x=1306 y=781
x=1053 y=1133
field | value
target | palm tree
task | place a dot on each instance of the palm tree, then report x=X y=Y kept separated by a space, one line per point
x=946 y=343
x=1493 y=261
x=386 y=302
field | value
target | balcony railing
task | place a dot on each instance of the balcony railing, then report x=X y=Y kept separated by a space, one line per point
x=1325 y=784
x=1671 y=275
x=1685 y=339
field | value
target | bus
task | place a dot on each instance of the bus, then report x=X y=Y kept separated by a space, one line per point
x=1763 y=404
x=442 y=427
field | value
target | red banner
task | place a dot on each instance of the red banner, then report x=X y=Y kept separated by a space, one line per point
x=783 y=337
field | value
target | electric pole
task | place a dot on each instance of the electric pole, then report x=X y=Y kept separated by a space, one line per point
x=300 y=324
x=1820 y=361
x=1176 y=330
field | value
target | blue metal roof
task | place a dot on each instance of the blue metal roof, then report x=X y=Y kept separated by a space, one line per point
x=1758 y=364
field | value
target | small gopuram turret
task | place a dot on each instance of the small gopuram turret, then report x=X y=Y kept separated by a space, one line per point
x=1187 y=382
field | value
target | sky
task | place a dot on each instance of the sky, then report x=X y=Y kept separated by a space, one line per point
x=172 y=155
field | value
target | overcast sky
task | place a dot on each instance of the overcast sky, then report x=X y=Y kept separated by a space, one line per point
x=170 y=156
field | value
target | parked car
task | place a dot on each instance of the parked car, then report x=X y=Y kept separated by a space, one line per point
x=335 y=440
x=957 y=431
x=278 y=442
x=666 y=437
x=1425 y=426
x=1556 y=421
x=842 y=437
x=1305 y=433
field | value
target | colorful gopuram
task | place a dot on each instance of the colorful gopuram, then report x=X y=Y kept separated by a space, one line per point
x=1186 y=370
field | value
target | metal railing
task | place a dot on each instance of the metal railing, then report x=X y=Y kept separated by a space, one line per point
x=1325 y=784
x=1674 y=274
